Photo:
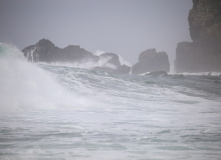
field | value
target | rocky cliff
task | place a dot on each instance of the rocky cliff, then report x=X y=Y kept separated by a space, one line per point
x=46 y=51
x=150 y=61
x=204 y=53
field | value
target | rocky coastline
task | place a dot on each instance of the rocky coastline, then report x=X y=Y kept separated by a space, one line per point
x=203 y=54
x=46 y=51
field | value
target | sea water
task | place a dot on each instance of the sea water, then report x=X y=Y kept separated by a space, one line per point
x=61 y=112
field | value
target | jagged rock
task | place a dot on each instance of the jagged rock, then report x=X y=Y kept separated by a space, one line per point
x=74 y=53
x=205 y=22
x=123 y=69
x=46 y=51
x=110 y=59
x=150 y=61
x=204 y=53
x=110 y=62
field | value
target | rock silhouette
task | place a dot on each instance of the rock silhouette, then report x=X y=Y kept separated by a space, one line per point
x=151 y=61
x=204 y=53
x=46 y=51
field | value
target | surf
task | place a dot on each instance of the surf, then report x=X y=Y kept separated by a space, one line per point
x=25 y=85
x=62 y=111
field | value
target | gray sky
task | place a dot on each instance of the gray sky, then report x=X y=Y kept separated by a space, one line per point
x=125 y=27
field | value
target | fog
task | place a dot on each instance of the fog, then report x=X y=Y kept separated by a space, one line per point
x=124 y=27
x=65 y=103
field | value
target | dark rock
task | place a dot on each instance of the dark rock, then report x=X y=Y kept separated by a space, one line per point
x=74 y=53
x=151 y=61
x=205 y=22
x=204 y=53
x=46 y=51
x=124 y=69
x=197 y=57
x=111 y=59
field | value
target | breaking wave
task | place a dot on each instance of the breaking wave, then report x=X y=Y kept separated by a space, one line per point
x=69 y=112
x=24 y=85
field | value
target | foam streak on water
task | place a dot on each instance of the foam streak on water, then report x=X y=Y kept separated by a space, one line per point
x=65 y=113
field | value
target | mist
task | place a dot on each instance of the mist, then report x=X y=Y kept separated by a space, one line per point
x=124 y=27
x=25 y=86
x=94 y=79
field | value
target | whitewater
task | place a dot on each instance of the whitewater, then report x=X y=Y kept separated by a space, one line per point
x=62 y=112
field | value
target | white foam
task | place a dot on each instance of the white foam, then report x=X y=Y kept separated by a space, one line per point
x=30 y=54
x=26 y=86
x=121 y=59
x=198 y=74
x=99 y=52
x=87 y=64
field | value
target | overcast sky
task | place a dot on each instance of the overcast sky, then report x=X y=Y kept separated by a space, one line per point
x=125 y=27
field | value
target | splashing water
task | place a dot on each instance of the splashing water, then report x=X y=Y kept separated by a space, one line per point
x=26 y=86
x=63 y=113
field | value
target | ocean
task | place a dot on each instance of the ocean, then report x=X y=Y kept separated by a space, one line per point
x=63 y=112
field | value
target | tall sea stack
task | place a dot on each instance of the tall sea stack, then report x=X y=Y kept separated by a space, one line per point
x=151 y=61
x=204 y=53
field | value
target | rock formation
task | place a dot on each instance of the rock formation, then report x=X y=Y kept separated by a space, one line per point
x=110 y=59
x=46 y=51
x=150 y=61
x=123 y=69
x=204 y=53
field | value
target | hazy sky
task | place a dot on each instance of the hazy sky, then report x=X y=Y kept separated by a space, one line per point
x=125 y=27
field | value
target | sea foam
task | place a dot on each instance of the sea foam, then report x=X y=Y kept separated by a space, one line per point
x=24 y=85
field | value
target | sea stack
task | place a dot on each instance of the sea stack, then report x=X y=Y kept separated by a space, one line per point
x=151 y=61
x=45 y=51
x=204 y=53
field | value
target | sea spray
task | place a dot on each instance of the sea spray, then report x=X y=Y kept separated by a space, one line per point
x=112 y=116
x=121 y=59
x=26 y=86
x=87 y=64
